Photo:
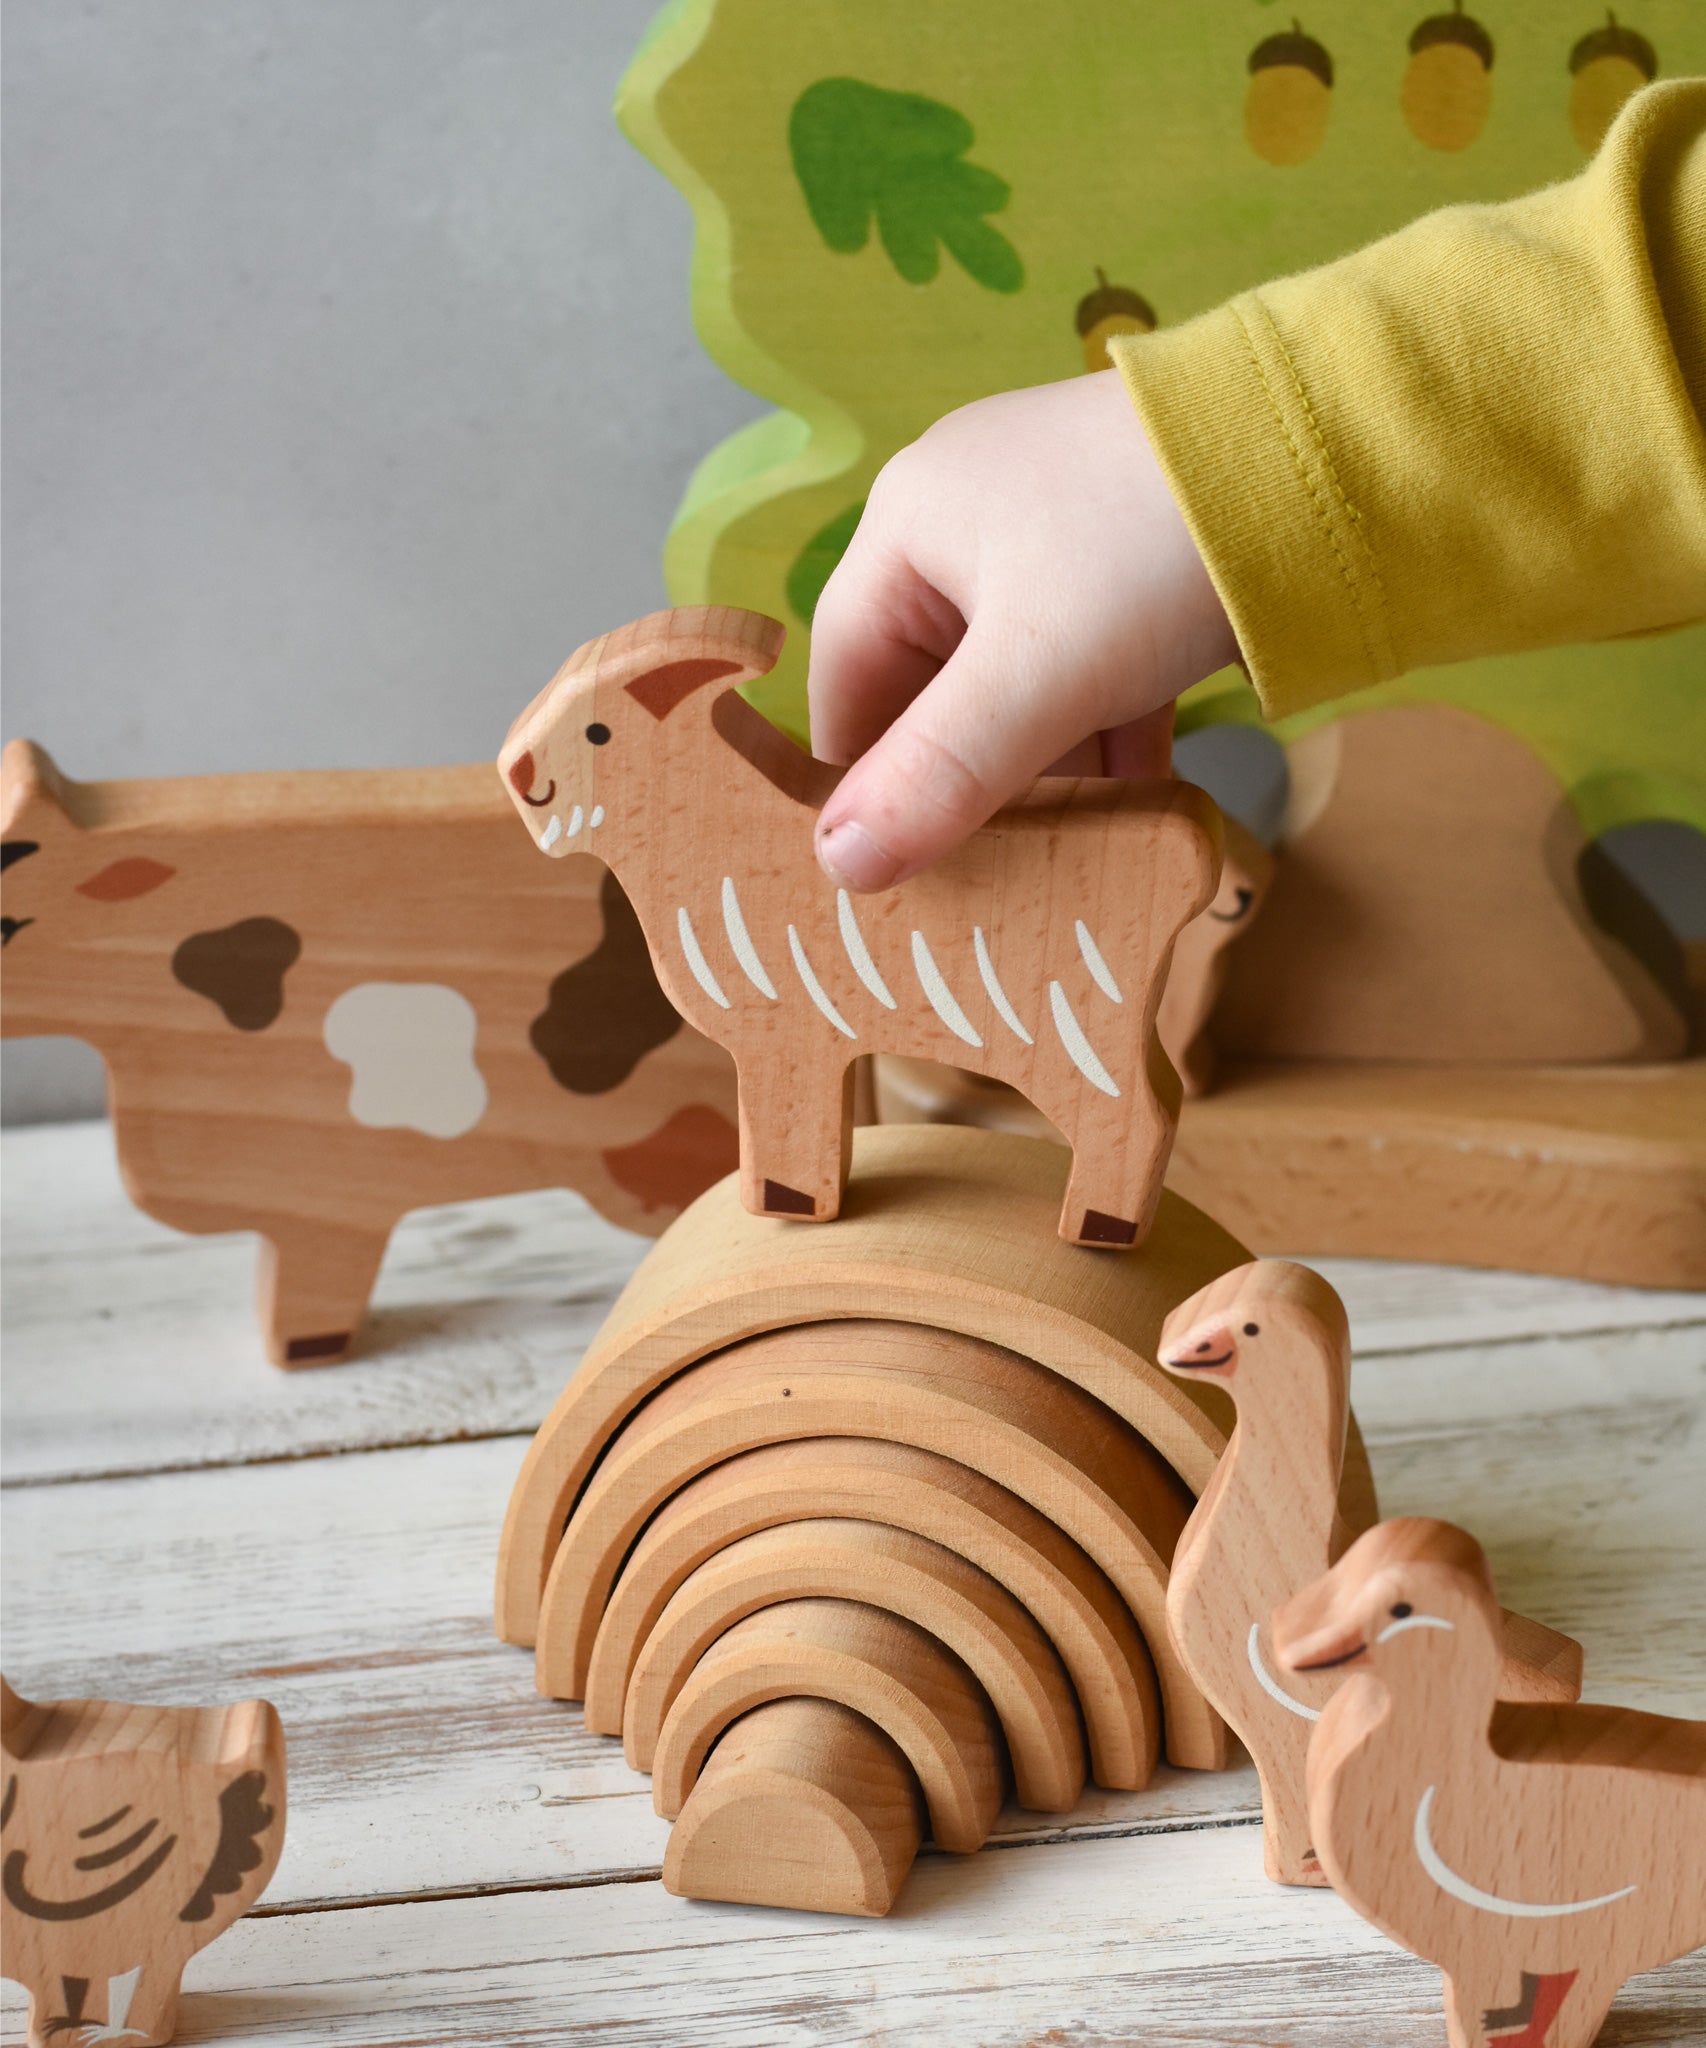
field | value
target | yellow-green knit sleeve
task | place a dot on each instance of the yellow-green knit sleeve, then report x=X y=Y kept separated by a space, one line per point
x=1482 y=434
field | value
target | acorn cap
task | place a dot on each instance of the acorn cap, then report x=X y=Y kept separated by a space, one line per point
x=1458 y=27
x=1292 y=46
x=1614 y=40
x=1107 y=300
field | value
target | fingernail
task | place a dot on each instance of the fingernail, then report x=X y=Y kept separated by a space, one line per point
x=849 y=855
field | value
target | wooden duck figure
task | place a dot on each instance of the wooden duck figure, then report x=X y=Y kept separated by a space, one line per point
x=1539 y=1854
x=1275 y=1336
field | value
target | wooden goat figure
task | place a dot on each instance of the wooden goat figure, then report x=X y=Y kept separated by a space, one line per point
x=1036 y=953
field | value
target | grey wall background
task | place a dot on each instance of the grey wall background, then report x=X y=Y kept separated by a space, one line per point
x=348 y=384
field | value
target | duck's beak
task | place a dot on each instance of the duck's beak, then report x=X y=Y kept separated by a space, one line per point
x=1200 y=1349
x=1312 y=1632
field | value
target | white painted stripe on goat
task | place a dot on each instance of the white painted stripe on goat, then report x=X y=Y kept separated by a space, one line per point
x=941 y=996
x=552 y=833
x=997 y=994
x=734 y=923
x=853 y=940
x=1078 y=1048
x=695 y=955
x=574 y=822
x=597 y=818
x=1100 y=973
x=813 y=987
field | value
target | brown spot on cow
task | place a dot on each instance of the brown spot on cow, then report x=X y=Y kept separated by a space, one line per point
x=126 y=879
x=241 y=968
x=694 y=1150
x=605 y=1013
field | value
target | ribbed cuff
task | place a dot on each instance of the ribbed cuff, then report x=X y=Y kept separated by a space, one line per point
x=1242 y=448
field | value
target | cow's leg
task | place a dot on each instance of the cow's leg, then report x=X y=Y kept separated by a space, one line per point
x=795 y=1144
x=1119 y=1156
x=314 y=1285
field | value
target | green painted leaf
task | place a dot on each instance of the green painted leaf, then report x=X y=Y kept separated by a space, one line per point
x=861 y=151
x=815 y=563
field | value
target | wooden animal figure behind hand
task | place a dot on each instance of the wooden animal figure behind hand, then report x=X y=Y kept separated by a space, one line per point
x=1036 y=953
x=129 y=1838
x=1538 y=1854
x=1275 y=1336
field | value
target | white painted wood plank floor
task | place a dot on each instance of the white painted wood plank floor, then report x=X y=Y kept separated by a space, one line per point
x=465 y=1863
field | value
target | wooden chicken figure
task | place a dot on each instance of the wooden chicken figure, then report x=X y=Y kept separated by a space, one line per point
x=1276 y=1337
x=1036 y=953
x=131 y=1837
x=1538 y=1854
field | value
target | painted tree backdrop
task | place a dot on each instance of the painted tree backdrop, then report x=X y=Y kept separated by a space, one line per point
x=902 y=207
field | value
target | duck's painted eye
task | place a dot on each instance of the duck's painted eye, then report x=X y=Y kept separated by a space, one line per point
x=1252 y=1329
x=598 y=732
x=1402 y=1610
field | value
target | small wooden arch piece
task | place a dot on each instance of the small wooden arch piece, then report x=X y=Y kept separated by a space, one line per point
x=902 y=1574
x=890 y=1670
x=803 y=1803
x=1004 y=1416
x=905 y=1488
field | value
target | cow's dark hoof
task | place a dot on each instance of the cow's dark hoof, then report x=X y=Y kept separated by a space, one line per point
x=306 y=1350
x=1100 y=1228
x=786 y=1201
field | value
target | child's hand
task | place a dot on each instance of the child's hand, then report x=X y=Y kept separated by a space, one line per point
x=1021 y=581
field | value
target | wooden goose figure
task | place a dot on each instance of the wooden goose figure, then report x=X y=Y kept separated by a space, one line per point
x=1538 y=1854
x=1276 y=1337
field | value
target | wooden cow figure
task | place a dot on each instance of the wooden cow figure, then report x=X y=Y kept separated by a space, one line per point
x=131 y=1836
x=326 y=999
x=1036 y=953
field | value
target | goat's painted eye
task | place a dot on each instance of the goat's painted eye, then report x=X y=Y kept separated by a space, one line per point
x=598 y=733
x=1402 y=1610
x=1252 y=1329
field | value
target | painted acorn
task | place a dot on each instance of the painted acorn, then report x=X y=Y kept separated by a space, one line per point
x=1607 y=67
x=1109 y=310
x=1289 y=97
x=1448 y=84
